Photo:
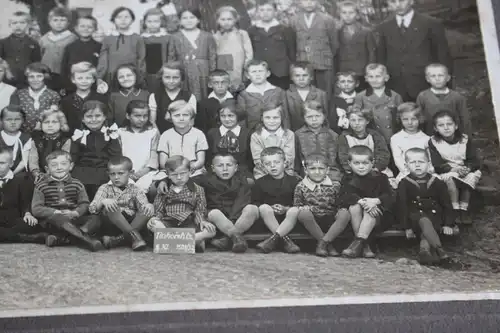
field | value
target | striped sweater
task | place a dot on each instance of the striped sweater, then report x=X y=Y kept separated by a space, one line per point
x=52 y=194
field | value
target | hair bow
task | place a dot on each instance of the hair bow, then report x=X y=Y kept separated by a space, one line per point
x=110 y=132
x=79 y=134
x=343 y=121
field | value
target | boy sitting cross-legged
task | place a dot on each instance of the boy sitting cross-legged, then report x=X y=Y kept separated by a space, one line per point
x=273 y=194
x=368 y=196
x=61 y=202
x=229 y=202
x=182 y=203
x=315 y=197
x=122 y=206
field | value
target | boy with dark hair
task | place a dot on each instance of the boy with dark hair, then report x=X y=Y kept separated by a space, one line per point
x=18 y=49
x=316 y=198
x=273 y=194
x=61 y=202
x=369 y=198
x=122 y=206
x=347 y=83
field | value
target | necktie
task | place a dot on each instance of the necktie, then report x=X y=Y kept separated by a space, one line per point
x=402 y=26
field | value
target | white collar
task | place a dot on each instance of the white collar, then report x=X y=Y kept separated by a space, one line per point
x=437 y=92
x=160 y=33
x=129 y=32
x=267 y=26
x=223 y=130
x=52 y=36
x=410 y=135
x=312 y=185
x=346 y=96
x=36 y=94
x=265 y=133
x=130 y=182
x=406 y=18
x=253 y=88
x=228 y=95
x=379 y=92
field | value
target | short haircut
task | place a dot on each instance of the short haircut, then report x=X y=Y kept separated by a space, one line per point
x=20 y=13
x=256 y=62
x=360 y=150
x=410 y=107
x=139 y=82
x=224 y=154
x=172 y=65
x=375 y=66
x=231 y=105
x=270 y=151
x=53 y=110
x=302 y=65
x=92 y=105
x=14 y=109
x=267 y=2
x=56 y=153
x=136 y=104
x=87 y=17
x=315 y=158
x=120 y=9
x=120 y=160
x=416 y=151
x=6 y=68
x=313 y=105
x=175 y=162
x=177 y=106
x=59 y=12
x=436 y=65
x=84 y=67
x=38 y=67
x=352 y=74
x=347 y=3
x=219 y=73
x=361 y=112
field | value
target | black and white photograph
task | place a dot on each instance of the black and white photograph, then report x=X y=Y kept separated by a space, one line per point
x=249 y=166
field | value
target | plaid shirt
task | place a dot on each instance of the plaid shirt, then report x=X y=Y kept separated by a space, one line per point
x=179 y=206
x=130 y=200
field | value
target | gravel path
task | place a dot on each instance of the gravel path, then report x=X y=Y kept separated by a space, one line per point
x=33 y=276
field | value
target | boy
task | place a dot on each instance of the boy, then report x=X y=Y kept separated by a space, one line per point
x=121 y=206
x=315 y=197
x=357 y=45
x=61 y=202
x=273 y=42
x=229 y=202
x=83 y=76
x=424 y=206
x=440 y=97
x=381 y=100
x=347 y=83
x=368 y=196
x=206 y=115
x=259 y=93
x=54 y=42
x=183 y=205
x=273 y=194
x=18 y=49
x=317 y=42
x=16 y=222
x=301 y=91
x=84 y=49
x=407 y=43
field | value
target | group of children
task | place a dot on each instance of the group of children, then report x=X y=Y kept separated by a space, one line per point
x=103 y=143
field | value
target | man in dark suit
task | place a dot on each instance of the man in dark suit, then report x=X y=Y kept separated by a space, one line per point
x=408 y=43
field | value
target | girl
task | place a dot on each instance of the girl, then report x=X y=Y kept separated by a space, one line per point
x=234 y=48
x=36 y=97
x=169 y=89
x=359 y=135
x=159 y=45
x=93 y=146
x=128 y=87
x=51 y=134
x=409 y=116
x=122 y=46
x=455 y=160
x=6 y=90
x=12 y=118
x=139 y=142
x=230 y=137
x=197 y=50
x=316 y=137
x=183 y=139
x=271 y=133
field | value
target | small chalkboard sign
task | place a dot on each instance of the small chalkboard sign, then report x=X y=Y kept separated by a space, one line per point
x=174 y=240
